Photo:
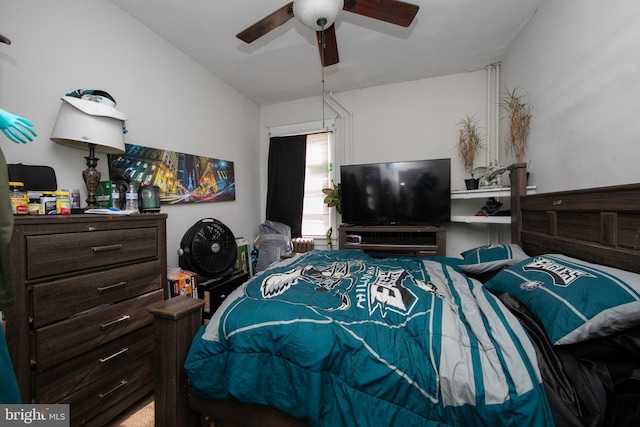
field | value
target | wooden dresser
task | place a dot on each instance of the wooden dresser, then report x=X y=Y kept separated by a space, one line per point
x=79 y=332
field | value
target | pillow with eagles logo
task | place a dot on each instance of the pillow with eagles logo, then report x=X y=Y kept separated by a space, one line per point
x=574 y=300
x=490 y=257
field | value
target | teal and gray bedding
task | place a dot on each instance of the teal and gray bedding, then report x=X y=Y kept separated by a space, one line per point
x=343 y=339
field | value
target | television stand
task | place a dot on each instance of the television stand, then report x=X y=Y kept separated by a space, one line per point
x=394 y=240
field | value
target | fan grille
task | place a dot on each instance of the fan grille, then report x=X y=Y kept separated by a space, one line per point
x=208 y=248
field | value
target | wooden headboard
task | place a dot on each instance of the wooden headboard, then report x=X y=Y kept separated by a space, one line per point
x=599 y=225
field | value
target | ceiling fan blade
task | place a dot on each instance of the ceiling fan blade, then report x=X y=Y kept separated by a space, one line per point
x=266 y=24
x=328 y=46
x=392 y=11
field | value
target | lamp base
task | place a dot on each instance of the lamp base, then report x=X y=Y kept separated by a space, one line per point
x=91 y=178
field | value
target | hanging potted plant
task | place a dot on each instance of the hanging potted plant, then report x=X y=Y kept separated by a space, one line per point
x=519 y=116
x=469 y=145
x=333 y=197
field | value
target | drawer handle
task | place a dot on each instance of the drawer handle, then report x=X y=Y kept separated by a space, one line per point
x=113 y=390
x=122 y=319
x=123 y=350
x=106 y=248
x=110 y=287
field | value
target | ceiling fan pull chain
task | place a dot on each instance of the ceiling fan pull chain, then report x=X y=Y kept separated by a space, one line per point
x=323 y=126
x=324 y=46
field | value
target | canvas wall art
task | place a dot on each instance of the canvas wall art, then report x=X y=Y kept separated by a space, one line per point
x=181 y=178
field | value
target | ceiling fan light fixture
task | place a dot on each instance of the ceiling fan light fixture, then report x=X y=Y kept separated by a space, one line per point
x=317 y=14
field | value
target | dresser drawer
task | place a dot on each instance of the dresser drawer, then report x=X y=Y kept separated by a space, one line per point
x=60 y=299
x=66 y=339
x=111 y=389
x=65 y=253
x=71 y=376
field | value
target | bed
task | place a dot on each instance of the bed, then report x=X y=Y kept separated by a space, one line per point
x=459 y=345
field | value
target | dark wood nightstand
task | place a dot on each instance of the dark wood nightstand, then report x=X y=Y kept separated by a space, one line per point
x=214 y=290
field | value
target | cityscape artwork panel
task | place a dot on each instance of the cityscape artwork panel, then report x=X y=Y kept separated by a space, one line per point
x=181 y=178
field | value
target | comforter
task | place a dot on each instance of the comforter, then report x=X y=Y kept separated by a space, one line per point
x=343 y=339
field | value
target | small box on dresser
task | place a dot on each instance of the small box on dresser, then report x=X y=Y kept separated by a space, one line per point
x=79 y=332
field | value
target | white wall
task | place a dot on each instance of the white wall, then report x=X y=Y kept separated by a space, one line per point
x=172 y=103
x=578 y=60
x=406 y=121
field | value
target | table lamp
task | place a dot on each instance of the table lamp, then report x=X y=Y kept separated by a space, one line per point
x=89 y=118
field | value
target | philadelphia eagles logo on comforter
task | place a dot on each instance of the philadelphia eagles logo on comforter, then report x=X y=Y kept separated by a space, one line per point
x=383 y=290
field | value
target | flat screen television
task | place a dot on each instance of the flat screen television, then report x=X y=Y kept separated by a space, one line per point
x=414 y=192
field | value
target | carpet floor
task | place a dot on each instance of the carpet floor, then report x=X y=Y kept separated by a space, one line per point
x=139 y=415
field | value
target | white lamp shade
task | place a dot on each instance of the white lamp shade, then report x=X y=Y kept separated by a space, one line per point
x=77 y=129
x=310 y=11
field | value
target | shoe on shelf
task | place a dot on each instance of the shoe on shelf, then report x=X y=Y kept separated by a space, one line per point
x=490 y=208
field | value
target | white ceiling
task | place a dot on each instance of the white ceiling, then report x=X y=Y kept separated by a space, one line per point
x=447 y=37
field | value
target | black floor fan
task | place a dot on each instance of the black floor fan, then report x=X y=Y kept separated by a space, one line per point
x=208 y=249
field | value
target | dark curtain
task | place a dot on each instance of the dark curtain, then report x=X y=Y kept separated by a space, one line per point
x=285 y=186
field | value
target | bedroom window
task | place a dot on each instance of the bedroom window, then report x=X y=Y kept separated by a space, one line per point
x=300 y=154
x=316 y=218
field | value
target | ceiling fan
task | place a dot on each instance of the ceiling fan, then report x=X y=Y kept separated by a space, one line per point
x=319 y=15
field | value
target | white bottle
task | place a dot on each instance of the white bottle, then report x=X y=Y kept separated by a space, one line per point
x=115 y=196
x=132 y=197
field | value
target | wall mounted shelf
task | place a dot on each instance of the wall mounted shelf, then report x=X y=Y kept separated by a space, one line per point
x=498 y=193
